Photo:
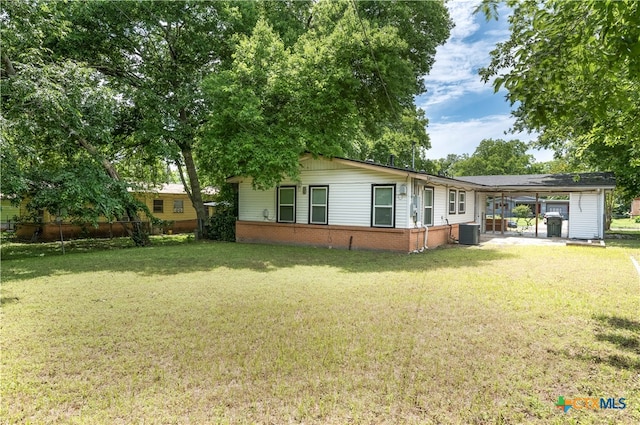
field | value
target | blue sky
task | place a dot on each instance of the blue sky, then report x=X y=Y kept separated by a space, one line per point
x=461 y=109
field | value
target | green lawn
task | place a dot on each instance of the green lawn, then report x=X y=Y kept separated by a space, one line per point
x=229 y=333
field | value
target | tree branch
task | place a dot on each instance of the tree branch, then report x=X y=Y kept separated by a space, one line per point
x=9 y=69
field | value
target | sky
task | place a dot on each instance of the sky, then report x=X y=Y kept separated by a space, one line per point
x=462 y=110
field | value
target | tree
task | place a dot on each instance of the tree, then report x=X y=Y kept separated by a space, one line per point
x=58 y=127
x=406 y=140
x=497 y=157
x=156 y=53
x=352 y=75
x=573 y=70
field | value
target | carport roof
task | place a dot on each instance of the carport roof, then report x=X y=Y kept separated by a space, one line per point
x=568 y=181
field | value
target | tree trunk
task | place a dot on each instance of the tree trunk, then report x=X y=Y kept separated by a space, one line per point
x=136 y=232
x=194 y=190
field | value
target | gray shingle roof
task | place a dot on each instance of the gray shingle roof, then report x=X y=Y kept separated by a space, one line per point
x=601 y=179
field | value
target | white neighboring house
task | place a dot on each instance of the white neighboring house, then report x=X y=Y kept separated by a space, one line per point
x=344 y=203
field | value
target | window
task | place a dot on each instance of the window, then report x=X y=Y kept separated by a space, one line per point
x=383 y=206
x=452 y=202
x=158 y=205
x=462 y=201
x=178 y=206
x=318 y=204
x=428 y=206
x=287 y=204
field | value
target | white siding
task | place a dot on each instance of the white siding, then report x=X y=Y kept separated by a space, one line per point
x=252 y=202
x=586 y=211
x=441 y=207
x=349 y=194
x=350 y=190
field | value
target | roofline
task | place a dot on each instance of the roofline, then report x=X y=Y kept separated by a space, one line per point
x=406 y=172
x=443 y=180
x=547 y=189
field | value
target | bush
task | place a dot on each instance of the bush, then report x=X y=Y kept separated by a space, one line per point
x=638 y=219
x=222 y=225
x=522 y=211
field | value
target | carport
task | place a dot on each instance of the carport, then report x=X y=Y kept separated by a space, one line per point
x=586 y=193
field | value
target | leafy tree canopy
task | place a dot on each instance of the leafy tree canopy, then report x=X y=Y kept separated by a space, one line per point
x=497 y=157
x=352 y=75
x=573 y=71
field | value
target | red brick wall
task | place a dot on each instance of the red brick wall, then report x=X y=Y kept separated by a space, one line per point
x=635 y=207
x=403 y=240
x=51 y=231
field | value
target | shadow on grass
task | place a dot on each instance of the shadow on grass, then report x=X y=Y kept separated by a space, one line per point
x=623 y=338
x=208 y=256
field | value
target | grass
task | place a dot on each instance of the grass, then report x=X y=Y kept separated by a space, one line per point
x=624 y=223
x=229 y=333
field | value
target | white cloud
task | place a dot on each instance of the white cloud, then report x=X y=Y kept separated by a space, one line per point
x=455 y=71
x=465 y=136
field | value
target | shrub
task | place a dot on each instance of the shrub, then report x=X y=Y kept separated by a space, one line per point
x=222 y=225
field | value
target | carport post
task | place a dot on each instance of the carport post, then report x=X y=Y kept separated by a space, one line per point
x=493 y=216
x=502 y=215
x=536 y=213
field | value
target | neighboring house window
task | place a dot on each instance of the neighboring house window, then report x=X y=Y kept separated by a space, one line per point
x=287 y=204
x=428 y=206
x=178 y=206
x=158 y=205
x=462 y=202
x=383 y=206
x=452 y=202
x=318 y=204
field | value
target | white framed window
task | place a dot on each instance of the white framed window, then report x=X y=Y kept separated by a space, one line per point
x=383 y=205
x=318 y=204
x=286 y=204
x=462 y=202
x=428 y=206
x=452 y=202
x=178 y=206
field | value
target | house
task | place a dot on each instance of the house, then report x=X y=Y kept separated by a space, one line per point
x=168 y=203
x=635 y=207
x=8 y=214
x=542 y=205
x=351 y=204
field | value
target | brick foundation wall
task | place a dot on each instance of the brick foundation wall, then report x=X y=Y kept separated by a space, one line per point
x=344 y=237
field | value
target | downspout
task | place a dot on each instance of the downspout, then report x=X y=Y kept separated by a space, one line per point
x=426 y=233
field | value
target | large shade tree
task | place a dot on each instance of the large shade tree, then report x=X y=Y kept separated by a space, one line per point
x=283 y=77
x=572 y=71
x=60 y=127
x=348 y=80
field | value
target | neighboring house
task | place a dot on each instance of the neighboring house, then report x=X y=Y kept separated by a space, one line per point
x=635 y=208
x=169 y=203
x=8 y=214
x=542 y=205
x=352 y=204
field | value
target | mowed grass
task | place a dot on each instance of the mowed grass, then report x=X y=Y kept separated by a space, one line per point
x=208 y=333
